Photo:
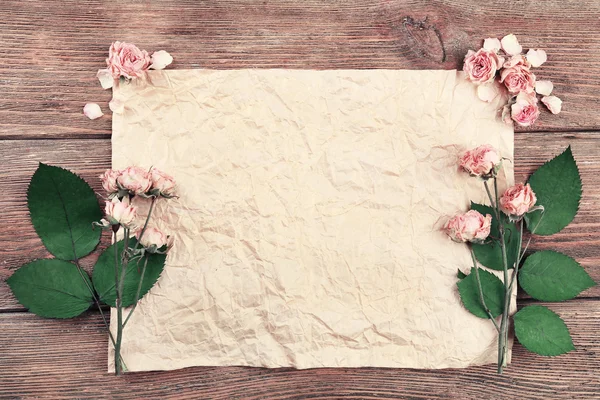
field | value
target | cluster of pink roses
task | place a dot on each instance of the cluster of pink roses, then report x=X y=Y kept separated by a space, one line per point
x=125 y=60
x=506 y=58
x=121 y=187
x=484 y=161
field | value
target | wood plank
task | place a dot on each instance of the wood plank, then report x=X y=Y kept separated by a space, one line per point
x=52 y=49
x=67 y=359
x=90 y=157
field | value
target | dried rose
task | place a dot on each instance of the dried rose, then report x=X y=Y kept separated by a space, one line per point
x=162 y=183
x=109 y=180
x=120 y=212
x=469 y=227
x=518 y=200
x=136 y=180
x=152 y=239
x=481 y=161
x=126 y=59
x=525 y=110
x=480 y=67
x=518 y=78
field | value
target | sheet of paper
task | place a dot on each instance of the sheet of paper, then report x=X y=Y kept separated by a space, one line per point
x=307 y=228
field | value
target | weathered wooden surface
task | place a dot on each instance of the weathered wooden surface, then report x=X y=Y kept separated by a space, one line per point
x=50 y=51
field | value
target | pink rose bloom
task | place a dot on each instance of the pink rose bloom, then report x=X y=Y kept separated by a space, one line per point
x=120 y=212
x=480 y=161
x=162 y=184
x=469 y=227
x=525 y=110
x=481 y=66
x=125 y=59
x=518 y=200
x=518 y=79
x=152 y=239
x=135 y=179
x=109 y=180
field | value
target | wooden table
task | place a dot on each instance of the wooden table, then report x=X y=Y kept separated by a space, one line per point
x=50 y=52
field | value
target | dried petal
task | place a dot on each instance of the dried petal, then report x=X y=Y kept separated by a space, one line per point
x=511 y=45
x=544 y=87
x=487 y=92
x=92 y=111
x=160 y=59
x=106 y=79
x=492 y=44
x=553 y=103
x=536 y=57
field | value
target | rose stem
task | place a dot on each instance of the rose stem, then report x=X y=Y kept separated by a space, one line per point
x=481 y=299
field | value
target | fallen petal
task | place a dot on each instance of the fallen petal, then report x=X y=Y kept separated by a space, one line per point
x=544 y=87
x=491 y=44
x=536 y=57
x=553 y=103
x=487 y=92
x=92 y=111
x=511 y=45
x=116 y=106
x=160 y=59
x=106 y=79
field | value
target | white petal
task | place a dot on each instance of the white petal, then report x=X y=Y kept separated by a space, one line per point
x=116 y=106
x=160 y=59
x=487 y=92
x=105 y=78
x=511 y=45
x=536 y=57
x=491 y=44
x=92 y=111
x=544 y=87
x=553 y=103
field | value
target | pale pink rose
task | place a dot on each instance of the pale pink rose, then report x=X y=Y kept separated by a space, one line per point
x=536 y=57
x=162 y=183
x=518 y=79
x=480 y=67
x=120 y=212
x=480 y=161
x=92 y=111
x=525 y=110
x=469 y=227
x=511 y=45
x=161 y=59
x=126 y=59
x=518 y=200
x=135 y=179
x=109 y=180
x=152 y=239
x=553 y=103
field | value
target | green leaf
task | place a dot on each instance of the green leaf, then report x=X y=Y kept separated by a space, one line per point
x=460 y=275
x=557 y=185
x=493 y=293
x=104 y=274
x=553 y=276
x=63 y=207
x=490 y=254
x=51 y=288
x=542 y=331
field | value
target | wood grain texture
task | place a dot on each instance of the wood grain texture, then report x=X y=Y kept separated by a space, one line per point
x=52 y=49
x=59 y=359
x=91 y=157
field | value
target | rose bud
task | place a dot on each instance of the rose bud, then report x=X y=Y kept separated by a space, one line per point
x=135 y=180
x=109 y=180
x=480 y=67
x=162 y=184
x=120 y=212
x=518 y=200
x=153 y=239
x=482 y=161
x=469 y=227
x=125 y=59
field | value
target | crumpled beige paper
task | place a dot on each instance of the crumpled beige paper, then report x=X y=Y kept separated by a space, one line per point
x=307 y=227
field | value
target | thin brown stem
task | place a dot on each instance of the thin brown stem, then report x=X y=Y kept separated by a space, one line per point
x=139 y=290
